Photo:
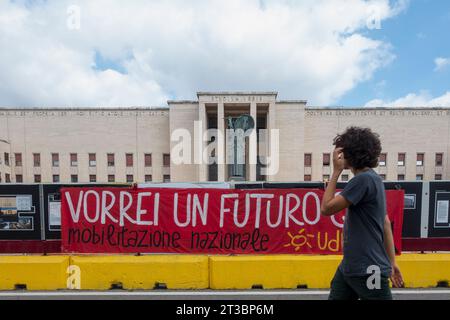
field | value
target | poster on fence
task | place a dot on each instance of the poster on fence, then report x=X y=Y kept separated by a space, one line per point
x=210 y=221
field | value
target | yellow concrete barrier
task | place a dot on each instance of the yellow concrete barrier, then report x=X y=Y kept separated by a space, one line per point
x=142 y=272
x=425 y=270
x=33 y=272
x=272 y=272
x=286 y=272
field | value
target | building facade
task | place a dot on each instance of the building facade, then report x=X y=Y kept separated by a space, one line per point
x=105 y=145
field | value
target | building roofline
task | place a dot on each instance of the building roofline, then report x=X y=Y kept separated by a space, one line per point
x=182 y=101
x=376 y=108
x=236 y=93
x=293 y=101
x=82 y=108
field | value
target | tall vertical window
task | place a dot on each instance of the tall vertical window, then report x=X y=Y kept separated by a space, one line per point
x=55 y=160
x=401 y=177
x=56 y=178
x=166 y=178
x=307 y=177
x=148 y=159
x=74 y=178
x=439 y=159
x=383 y=160
x=148 y=178
x=37 y=178
x=129 y=159
x=92 y=178
x=6 y=159
x=73 y=160
x=420 y=159
x=419 y=177
x=7 y=178
x=166 y=160
x=18 y=159
x=19 y=178
x=308 y=159
x=344 y=177
x=438 y=177
x=111 y=178
x=111 y=162
x=326 y=177
x=37 y=159
x=130 y=178
x=401 y=159
x=92 y=160
x=326 y=159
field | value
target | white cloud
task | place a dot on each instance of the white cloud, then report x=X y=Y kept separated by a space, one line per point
x=441 y=63
x=422 y=99
x=312 y=49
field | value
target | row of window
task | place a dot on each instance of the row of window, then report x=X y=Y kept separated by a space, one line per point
x=74 y=178
x=400 y=177
x=401 y=160
x=129 y=159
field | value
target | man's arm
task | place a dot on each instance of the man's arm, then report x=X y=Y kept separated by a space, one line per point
x=331 y=204
x=396 y=276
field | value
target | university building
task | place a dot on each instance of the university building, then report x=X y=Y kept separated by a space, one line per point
x=105 y=145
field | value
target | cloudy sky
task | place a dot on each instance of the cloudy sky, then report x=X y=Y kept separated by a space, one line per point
x=141 y=53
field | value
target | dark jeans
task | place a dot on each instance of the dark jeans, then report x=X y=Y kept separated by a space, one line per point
x=354 y=288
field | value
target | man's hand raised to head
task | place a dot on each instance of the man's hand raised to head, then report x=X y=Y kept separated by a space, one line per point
x=338 y=160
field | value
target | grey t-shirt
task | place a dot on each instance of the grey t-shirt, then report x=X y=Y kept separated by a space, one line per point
x=364 y=226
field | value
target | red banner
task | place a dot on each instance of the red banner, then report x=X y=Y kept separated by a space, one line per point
x=268 y=221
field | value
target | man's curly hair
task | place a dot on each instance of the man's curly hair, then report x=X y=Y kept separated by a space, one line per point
x=361 y=147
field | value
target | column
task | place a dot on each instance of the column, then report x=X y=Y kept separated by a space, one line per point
x=253 y=147
x=221 y=142
x=201 y=144
x=272 y=124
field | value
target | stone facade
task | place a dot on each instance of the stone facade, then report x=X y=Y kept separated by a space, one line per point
x=52 y=135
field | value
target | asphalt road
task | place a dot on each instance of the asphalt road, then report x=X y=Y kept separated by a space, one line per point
x=402 y=294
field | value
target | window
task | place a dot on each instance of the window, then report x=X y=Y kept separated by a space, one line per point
x=37 y=159
x=344 y=177
x=308 y=159
x=307 y=177
x=129 y=159
x=74 y=178
x=56 y=178
x=92 y=160
x=326 y=177
x=383 y=177
x=166 y=178
x=401 y=159
x=6 y=159
x=438 y=177
x=92 y=178
x=18 y=159
x=439 y=159
x=7 y=178
x=0 y=177
x=420 y=159
x=111 y=178
x=130 y=178
x=148 y=178
x=326 y=159
x=55 y=160
x=419 y=177
x=73 y=160
x=19 y=178
x=401 y=177
x=111 y=162
x=166 y=160
x=148 y=159
x=37 y=178
x=382 y=161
